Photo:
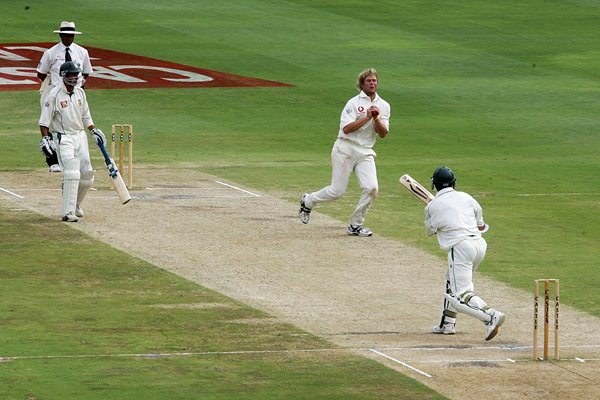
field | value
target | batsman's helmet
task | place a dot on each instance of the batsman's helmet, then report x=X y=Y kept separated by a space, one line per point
x=69 y=71
x=442 y=177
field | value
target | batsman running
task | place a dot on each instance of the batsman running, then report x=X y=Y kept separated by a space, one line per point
x=457 y=220
x=65 y=114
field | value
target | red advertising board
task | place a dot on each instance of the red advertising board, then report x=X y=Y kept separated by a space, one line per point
x=115 y=70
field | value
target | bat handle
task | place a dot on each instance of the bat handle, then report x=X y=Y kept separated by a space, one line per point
x=112 y=170
x=104 y=153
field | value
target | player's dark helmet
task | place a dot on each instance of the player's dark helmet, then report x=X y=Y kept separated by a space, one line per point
x=69 y=71
x=442 y=177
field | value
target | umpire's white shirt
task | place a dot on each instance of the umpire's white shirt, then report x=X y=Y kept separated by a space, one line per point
x=355 y=109
x=66 y=113
x=54 y=57
x=454 y=216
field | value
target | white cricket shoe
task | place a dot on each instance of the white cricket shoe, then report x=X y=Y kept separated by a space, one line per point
x=304 y=212
x=358 y=231
x=78 y=212
x=70 y=217
x=446 y=329
x=54 y=168
x=492 y=327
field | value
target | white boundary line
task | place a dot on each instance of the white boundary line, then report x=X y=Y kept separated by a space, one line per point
x=165 y=355
x=401 y=363
x=11 y=193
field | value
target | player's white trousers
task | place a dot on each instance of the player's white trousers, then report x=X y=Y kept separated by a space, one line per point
x=463 y=260
x=74 y=159
x=73 y=146
x=345 y=158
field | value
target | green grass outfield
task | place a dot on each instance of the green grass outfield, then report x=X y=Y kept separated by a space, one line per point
x=506 y=93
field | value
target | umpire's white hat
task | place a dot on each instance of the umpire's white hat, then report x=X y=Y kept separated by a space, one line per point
x=67 y=28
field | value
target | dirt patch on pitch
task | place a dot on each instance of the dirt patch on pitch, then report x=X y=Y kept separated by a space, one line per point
x=375 y=296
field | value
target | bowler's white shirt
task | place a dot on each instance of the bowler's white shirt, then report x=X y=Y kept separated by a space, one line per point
x=64 y=113
x=355 y=109
x=54 y=57
x=454 y=216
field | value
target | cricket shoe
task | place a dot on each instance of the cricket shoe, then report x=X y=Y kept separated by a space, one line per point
x=78 y=212
x=492 y=327
x=446 y=329
x=54 y=168
x=304 y=212
x=358 y=231
x=70 y=217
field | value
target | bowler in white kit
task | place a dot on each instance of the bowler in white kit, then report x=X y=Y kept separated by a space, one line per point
x=364 y=118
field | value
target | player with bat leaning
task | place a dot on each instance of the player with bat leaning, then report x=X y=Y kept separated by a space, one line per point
x=65 y=114
x=457 y=220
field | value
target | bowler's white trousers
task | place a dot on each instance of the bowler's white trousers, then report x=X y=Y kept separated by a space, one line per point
x=346 y=157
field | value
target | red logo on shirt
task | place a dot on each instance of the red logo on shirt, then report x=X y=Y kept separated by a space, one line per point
x=64 y=104
x=361 y=109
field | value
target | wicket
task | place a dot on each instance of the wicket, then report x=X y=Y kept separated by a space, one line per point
x=124 y=129
x=536 y=294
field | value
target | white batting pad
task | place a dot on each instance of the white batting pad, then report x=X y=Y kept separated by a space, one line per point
x=70 y=184
x=85 y=183
x=465 y=309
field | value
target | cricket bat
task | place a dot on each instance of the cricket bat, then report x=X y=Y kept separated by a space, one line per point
x=116 y=178
x=416 y=188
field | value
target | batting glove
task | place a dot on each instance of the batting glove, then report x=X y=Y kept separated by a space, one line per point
x=99 y=137
x=47 y=146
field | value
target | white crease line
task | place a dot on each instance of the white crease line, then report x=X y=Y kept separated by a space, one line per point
x=39 y=190
x=237 y=188
x=478 y=348
x=473 y=361
x=401 y=363
x=451 y=361
x=174 y=197
x=183 y=188
x=12 y=193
